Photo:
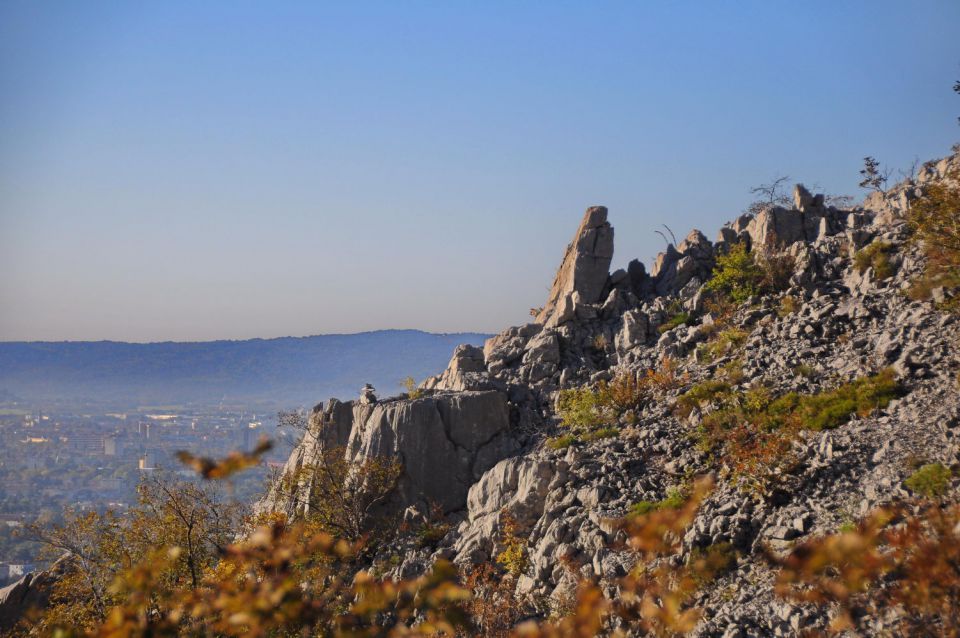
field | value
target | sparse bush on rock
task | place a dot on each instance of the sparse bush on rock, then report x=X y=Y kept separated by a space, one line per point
x=931 y=480
x=877 y=256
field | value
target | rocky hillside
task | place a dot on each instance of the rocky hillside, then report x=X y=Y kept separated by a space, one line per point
x=835 y=337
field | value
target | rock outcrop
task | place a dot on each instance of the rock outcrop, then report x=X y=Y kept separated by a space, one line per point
x=476 y=444
x=584 y=269
x=467 y=370
x=445 y=442
x=30 y=592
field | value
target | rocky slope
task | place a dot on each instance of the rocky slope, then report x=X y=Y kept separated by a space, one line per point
x=476 y=441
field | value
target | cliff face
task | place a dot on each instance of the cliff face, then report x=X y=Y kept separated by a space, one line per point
x=475 y=443
x=445 y=443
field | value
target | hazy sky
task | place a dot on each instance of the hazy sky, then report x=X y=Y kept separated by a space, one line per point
x=193 y=171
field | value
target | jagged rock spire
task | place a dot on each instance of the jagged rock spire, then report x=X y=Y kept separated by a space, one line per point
x=586 y=263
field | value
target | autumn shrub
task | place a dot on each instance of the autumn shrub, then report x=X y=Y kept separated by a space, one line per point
x=170 y=513
x=624 y=393
x=878 y=256
x=288 y=579
x=776 y=268
x=894 y=560
x=934 y=218
x=664 y=377
x=513 y=556
x=410 y=385
x=493 y=608
x=931 y=480
x=600 y=342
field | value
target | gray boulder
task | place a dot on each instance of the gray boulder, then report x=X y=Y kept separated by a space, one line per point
x=466 y=371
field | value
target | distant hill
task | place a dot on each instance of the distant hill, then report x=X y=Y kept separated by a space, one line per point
x=287 y=370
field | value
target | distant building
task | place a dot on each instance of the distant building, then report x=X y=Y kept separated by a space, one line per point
x=10 y=520
x=86 y=442
x=147 y=462
x=18 y=570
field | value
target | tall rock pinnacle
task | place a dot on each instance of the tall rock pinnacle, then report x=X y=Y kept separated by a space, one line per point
x=586 y=263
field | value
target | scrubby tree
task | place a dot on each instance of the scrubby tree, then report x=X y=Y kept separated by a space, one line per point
x=874 y=176
x=934 y=219
x=98 y=547
x=956 y=88
x=342 y=497
x=770 y=194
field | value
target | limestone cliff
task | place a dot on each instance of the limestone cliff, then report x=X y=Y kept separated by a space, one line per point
x=475 y=441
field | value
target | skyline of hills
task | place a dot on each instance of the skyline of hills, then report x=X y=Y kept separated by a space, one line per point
x=283 y=370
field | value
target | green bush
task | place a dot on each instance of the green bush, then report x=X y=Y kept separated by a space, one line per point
x=752 y=432
x=674 y=500
x=602 y=433
x=723 y=343
x=931 y=480
x=674 y=321
x=703 y=393
x=876 y=255
x=580 y=409
x=805 y=371
x=737 y=274
x=561 y=442
x=861 y=396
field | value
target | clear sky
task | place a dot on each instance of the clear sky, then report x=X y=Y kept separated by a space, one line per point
x=193 y=170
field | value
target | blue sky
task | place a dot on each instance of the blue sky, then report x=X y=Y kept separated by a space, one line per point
x=193 y=170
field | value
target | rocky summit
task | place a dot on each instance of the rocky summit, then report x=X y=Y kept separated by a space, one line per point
x=486 y=437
